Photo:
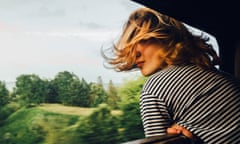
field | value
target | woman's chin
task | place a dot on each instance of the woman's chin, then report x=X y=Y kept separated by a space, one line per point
x=146 y=73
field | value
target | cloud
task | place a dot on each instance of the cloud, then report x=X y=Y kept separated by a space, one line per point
x=91 y=25
x=45 y=37
x=87 y=34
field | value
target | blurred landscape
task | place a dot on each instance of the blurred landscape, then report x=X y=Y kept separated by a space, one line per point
x=67 y=109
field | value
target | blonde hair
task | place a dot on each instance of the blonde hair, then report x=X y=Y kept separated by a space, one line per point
x=182 y=47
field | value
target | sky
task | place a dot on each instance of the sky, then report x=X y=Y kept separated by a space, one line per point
x=45 y=37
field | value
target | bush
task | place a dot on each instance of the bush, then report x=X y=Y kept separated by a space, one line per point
x=100 y=127
x=131 y=122
x=7 y=110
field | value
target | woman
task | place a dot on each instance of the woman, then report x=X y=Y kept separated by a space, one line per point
x=185 y=93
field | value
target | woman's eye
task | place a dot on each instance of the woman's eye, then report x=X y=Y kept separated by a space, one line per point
x=138 y=54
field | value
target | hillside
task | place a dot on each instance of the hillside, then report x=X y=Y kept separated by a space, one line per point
x=46 y=124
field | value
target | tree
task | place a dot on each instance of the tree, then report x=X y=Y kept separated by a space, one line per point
x=31 y=89
x=131 y=119
x=130 y=90
x=113 y=98
x=82 y=95
x=100 y=81
x=4 y=94
x=131 y=122
x=63 y=84
x=52 y=96
x=97 y=94
x=100 y=127
x=70 y=90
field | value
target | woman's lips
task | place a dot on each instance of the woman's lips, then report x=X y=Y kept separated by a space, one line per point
x=140 y=64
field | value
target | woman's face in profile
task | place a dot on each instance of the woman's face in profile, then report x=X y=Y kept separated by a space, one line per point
x=149 y=57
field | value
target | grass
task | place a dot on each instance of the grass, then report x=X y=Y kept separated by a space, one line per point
x=72 y=110
x=38 y=126
x=44 y=124
x=59 y=108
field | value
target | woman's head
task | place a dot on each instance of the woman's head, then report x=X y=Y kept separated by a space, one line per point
x=171 y=39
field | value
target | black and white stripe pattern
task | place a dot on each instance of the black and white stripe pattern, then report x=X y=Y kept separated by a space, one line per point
x=206 y=103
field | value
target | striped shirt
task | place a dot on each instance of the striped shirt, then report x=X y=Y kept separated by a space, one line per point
x=206 y=103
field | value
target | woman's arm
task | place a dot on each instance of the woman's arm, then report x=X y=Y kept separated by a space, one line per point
x=155 y=116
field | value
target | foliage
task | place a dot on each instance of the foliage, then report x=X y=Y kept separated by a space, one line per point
x=31 y=89
x=130 y=90
x=113 y=97
x=52 y=96
x=7 y=110
x=70 y=90
x=36 y=126
x=62 y=85
x=131 y=119
x=97 y=94
x=100 y=127
x=16 y=129
x=83 y=91
x=131 y=122
x=4 y=94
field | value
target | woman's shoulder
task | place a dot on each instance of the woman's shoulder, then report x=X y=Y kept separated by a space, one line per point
x=169 y=75
x=185 y=72
x=175 y=71
x=228 y=78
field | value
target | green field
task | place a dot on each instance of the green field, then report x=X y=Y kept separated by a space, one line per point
x=44 y=124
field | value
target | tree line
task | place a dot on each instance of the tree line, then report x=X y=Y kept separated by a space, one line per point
x=66 y=88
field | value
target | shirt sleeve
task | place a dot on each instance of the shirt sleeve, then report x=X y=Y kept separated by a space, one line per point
x=155 y=115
